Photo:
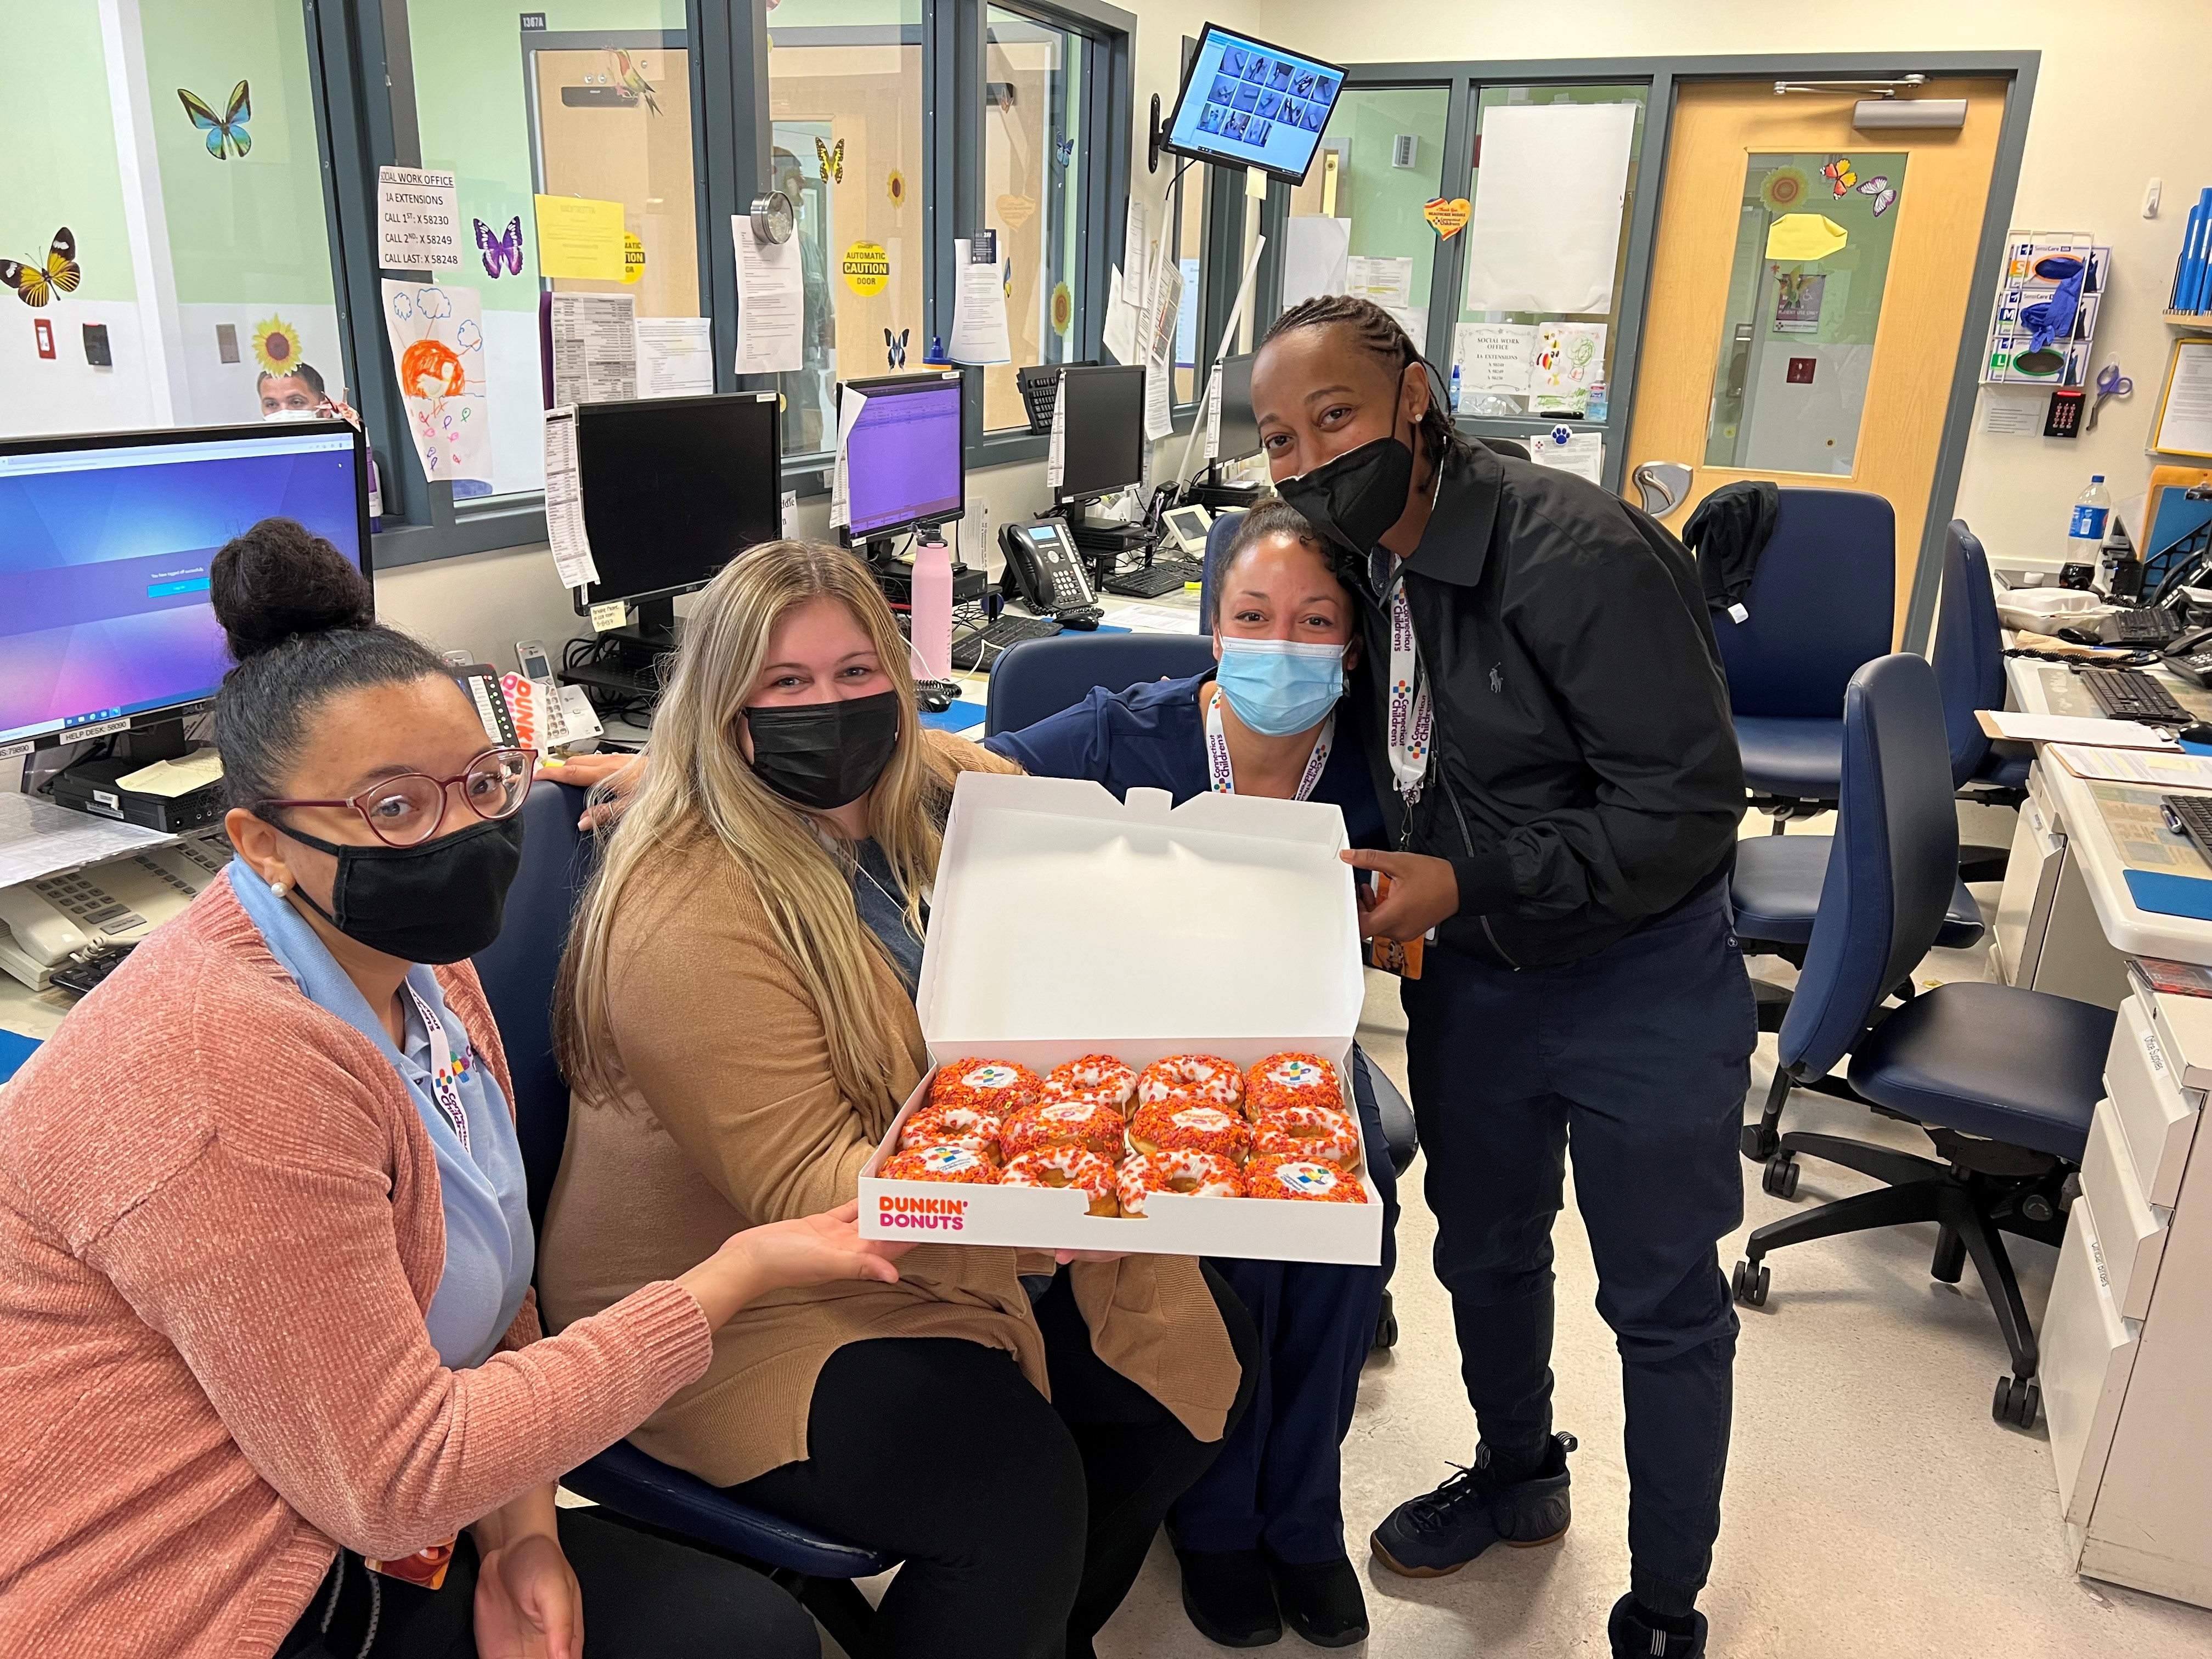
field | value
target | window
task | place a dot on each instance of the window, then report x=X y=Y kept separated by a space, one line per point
x=845 y=104
x=1187 y=211
x=1035 y=154
x=199 y=268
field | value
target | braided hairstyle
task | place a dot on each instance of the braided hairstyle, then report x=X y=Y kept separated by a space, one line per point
x=1377 y=333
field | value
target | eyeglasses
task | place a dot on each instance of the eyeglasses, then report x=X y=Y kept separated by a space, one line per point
x=406 y=810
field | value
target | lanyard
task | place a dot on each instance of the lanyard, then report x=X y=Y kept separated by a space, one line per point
x=445 y=1080
x=1408 y=714
x=1223 y=779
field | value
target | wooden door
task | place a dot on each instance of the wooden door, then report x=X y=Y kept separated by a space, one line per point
x=1831 y=365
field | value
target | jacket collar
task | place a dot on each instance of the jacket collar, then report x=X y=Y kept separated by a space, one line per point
x=1457 y=544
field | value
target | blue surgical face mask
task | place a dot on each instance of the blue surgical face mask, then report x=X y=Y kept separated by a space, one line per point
x=1277 y=687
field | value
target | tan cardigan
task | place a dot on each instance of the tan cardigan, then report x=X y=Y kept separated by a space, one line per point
x=735 y=1120
x=219 y=1229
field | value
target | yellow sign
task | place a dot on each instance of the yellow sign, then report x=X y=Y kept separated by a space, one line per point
x=867 y=269
x=1448 y=217
x=633 y=258
x=1805 y=236
x=580 y=238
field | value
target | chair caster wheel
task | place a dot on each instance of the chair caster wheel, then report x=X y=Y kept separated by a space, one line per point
x=1386 y=1328
x=1759 y=1143
x=1748 y=1284
x=2018 y=1400
x=1780 y=1179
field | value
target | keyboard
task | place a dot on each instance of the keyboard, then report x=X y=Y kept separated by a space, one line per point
x=2191 y=816
x=2124 y=694
x=2146 y=625
x=1162 y=576
x=81 y=973
x=981 y=650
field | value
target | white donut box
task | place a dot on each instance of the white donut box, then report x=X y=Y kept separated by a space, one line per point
x=1066 y=923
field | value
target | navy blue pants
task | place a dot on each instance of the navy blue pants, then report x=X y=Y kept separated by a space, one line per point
x=1278 y=1481
x=1640 y=1059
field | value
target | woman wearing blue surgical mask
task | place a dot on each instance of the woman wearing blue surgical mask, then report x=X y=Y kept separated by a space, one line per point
x=1260 y=1536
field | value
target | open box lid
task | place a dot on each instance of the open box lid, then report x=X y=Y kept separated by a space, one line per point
x=1066 y=921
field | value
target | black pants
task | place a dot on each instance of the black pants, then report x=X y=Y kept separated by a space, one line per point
x=644 y=1598
x=1640 y=1059
x=1022 y=1522
x=1279 y=1479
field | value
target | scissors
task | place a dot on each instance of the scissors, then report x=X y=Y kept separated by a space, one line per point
x=2111 y=383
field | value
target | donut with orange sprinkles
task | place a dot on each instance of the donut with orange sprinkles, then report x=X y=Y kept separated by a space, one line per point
x=1094 y=1077
x=1276 y=1176
x=952 y=1126
x=1170 y=1127
x=1201 y=1175
x=939 y=1163
x=1065 y=1166
x=1314 y=1132
x=1090 y=1124
x=1000 y=1087
x=1292 y=1079
x=1191 y=1080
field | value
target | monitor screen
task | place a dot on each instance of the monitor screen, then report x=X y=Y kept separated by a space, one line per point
x=105 y=549
x=675 y=487
x=902 y=455
x=1240 y=427
x=1104 y=444
x=1245 y=103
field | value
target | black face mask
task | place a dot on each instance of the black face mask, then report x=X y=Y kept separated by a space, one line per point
x=1356 y=498
x=436 y=902
x=824 y=755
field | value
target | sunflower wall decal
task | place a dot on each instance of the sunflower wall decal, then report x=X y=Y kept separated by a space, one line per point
x=1786 y=190
x=895 y=187
x=277 y=346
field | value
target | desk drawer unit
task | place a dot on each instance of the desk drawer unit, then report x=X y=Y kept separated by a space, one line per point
x=2131 y=1232
x=2157 y=1117
x=2088 y=1350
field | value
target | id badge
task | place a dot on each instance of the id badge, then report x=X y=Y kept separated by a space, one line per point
x=1399 y=957
x=426 y=1567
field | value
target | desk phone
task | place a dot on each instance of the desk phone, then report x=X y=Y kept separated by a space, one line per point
x=1045 y=567
x=118 y=902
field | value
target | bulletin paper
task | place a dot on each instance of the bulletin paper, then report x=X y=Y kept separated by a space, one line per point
x=437 y=342
x=1494 y=357
x=675 y=356
x=594 y=348
x=771 y=302
x=564 y=503
x=417 y=220
x=1547 y=205
x=580 y=238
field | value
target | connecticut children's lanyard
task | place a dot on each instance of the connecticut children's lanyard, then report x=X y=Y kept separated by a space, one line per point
x=445 y=1080
x=1408 y=709
x=1223 y=778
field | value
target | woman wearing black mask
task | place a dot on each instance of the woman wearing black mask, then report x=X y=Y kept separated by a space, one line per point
x=736 y=1018
x=264 y=1252
x=1555 y=756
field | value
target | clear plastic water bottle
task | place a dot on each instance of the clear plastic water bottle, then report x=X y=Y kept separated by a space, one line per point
x=2085 y=530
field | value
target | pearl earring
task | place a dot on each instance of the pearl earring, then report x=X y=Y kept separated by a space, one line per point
x=277 y=888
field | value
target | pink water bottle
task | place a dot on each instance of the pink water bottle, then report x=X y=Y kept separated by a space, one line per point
x=931 y=619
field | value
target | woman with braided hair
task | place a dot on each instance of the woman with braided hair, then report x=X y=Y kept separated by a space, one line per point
x=1550 y=737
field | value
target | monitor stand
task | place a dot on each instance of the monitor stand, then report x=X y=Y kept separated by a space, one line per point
x=640 y=644
x=1209 y=492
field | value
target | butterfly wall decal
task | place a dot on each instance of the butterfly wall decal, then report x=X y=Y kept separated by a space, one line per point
x=833 y=161
x=1064 y=150
x=35 y=285
x=225 y=131
x=1840 y=173
x=502 y=253
x=895 y=348
x=1882 y=194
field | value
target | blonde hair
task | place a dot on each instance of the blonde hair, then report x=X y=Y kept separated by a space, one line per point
x=699 y=783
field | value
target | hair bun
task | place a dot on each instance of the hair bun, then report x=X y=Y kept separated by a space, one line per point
x=279 y=579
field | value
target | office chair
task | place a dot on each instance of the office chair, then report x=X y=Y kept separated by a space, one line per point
x=1970 y=669
x=1218 y=537
x=518 y=970
x=2002 y=1080
x=1038 y=678
x=1822 y=606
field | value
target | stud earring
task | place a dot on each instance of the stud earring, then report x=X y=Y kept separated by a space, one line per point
x=277 y=888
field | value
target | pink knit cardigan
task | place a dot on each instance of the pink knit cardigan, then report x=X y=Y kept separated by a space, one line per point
x=219 y=1229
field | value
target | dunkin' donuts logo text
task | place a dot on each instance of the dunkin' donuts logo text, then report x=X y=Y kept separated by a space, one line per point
x=934 y=1215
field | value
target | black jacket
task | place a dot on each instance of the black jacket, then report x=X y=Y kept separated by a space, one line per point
x=1583 y=776
x=1728 y=532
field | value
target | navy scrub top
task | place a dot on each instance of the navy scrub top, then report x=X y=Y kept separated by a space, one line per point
x=1153 y=735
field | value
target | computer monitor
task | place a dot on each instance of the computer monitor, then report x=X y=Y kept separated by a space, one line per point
x=1245 y=103
x=1240 y=427
x=674 y=488
x=105 y=541
x=1102 y=442
x=902 y=458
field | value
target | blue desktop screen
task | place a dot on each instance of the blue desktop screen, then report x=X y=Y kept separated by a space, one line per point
x=1249 y=104
x=903 y=458
x=104 y=557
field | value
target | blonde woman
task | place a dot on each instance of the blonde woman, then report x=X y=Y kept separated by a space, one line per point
x=736 y=1017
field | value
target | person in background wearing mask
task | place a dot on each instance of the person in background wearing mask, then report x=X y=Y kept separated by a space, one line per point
x=1260 y=1537
x=264 y=1251
x=1553 y=747
x=299 y=394
x=736 y=1017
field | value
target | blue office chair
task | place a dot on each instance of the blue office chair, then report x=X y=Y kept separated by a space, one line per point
x=1822 y=606
x=2003 y=1081
x=518 y=970
x=1970 y=668
x=1038 y=678
x=1218 y=537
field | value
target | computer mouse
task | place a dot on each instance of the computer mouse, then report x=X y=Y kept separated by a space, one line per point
x=2200 y=732
x=936 y=695
x=1083 y=620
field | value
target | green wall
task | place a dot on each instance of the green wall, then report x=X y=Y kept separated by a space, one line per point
x=61 y=168
x=1384 y=202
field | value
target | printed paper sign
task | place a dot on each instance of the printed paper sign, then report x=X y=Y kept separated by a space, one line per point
x=582 y=239
x=418 y=220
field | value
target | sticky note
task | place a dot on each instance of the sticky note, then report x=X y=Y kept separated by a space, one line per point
x=1805 y=236
x=578 y=237
x=610 y=614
